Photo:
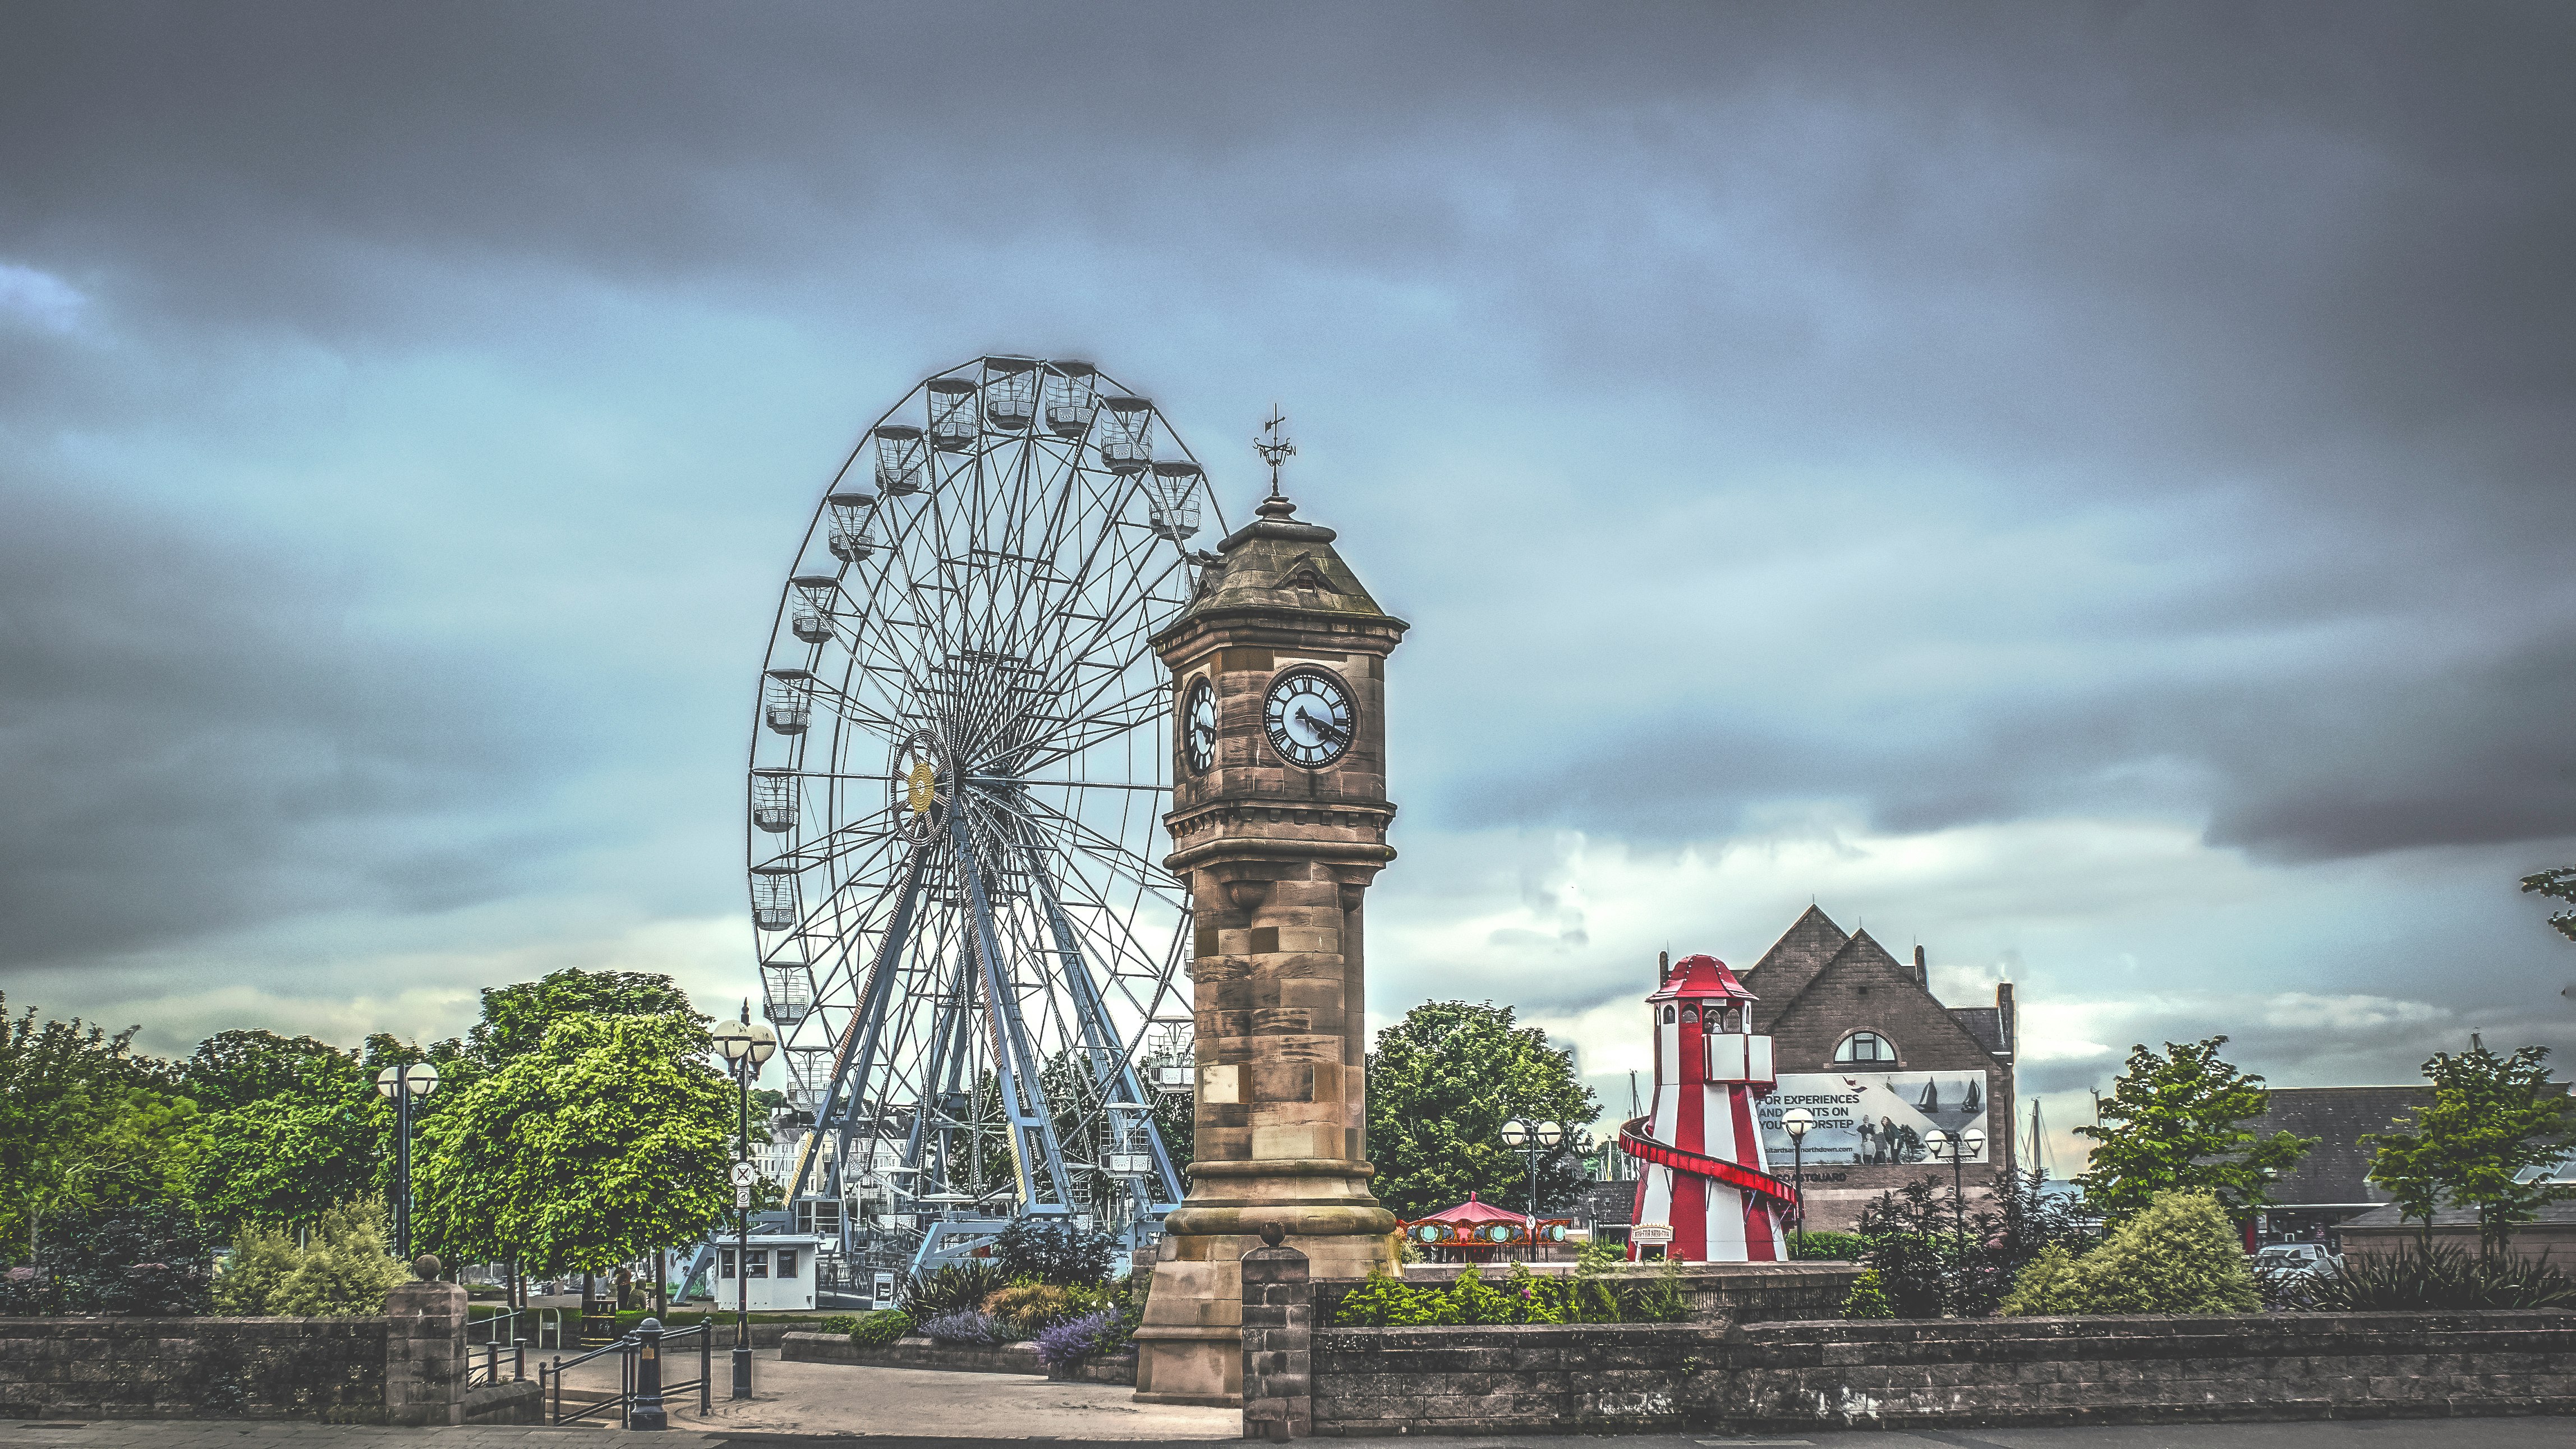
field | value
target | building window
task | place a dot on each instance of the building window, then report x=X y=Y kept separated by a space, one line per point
x=787 y=1262
x=1865 y=1048
x=1690 y=1014
x=727 y=1270
x=1668 y=1016
x=756 y=1263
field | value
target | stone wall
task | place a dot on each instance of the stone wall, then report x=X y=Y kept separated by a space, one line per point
x=1941 y=1373
x=332 y=1369
x=2146 y=1370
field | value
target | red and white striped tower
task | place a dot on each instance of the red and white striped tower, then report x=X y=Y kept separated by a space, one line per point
x=1705 y=1176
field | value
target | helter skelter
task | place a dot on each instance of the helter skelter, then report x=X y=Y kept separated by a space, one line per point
x=1707 y=1193
x=959 y=759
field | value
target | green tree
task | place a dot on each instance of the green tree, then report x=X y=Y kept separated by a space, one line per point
x=2560 y=885
x=84 y=1125
x=608 y=1140
x=515 y=1018
x=1441 y=1085
x=2491 y=1119
x=233 y=1069
x=297 y=1126
x=2176 y=1122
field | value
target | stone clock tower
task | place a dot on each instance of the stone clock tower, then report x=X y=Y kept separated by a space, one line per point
x=1278 y=824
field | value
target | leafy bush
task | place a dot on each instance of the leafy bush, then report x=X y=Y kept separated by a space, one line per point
x=973 y=1327
x=1664 y=1303
x=1828 y=1247
x=263 y=1257
x=1867 y=1299
x=147 y=1258
x=1046 y=1251
x=876 y=1330
x=1062 y=1346
x=1385 y=1301
x=343 y=1272
x=2447 y=1277
x=1472 y=1301
x=1931 y=1261
x=1600 y=1256
x=2179 y=1255
x=2046 y=1286
x=957 y=1288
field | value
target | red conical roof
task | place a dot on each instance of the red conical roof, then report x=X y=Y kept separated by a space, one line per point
x=1696 y=977
x=1472 y=1212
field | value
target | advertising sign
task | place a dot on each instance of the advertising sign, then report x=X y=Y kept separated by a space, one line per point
x=1865 y=1119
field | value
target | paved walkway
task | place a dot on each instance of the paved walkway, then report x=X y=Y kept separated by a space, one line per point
x=840 y=1398
x=1074 y=1425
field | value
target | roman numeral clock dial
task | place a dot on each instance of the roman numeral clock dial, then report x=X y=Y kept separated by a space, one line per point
x=1198 y=726
x=1309 y=717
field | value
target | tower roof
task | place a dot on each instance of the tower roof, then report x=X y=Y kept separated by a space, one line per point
x=1280 y=562
x=1697 y=977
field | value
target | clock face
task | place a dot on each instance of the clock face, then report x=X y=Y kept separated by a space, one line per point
x=1198 y=725
x=1309 y=717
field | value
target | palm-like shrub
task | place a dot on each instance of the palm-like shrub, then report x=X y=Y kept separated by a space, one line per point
x=957 y=1288
x=2445 y=1277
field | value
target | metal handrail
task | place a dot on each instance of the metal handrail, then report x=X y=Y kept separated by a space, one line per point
x=489 y=1370
x=550 y=1376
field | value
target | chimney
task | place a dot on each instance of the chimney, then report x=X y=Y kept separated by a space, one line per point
x=2004 y=1013
x=1663 y=969
x=1922 y=970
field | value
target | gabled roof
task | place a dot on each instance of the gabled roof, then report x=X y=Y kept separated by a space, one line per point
x=1861 y=953
x=1794 y=959
x=2336 y=1170
x=1986 y=1024
x=2561 y=1211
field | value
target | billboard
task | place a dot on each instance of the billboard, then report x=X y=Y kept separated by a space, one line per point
x=1865 y=1119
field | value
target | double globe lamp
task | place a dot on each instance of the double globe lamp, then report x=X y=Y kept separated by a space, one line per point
x=400 y=1084
x=746 y=1047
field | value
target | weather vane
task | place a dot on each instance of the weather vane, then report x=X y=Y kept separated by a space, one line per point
x=1274 y=449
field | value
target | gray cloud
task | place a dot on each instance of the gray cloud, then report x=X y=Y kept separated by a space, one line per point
x=193 y=739
x=1959 y=416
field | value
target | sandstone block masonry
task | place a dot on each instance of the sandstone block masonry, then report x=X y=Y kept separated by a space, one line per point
x=407 y=1367
x=332 y=1369
x=1942 y=1374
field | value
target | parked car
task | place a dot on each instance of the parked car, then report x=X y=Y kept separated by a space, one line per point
x=2297 y=1260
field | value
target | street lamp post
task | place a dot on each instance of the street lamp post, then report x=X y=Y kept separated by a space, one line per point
x=1958 y=1149
x=1536 y=1142
x=1797 y=1120
x=400 y=1083
x=746 y=1047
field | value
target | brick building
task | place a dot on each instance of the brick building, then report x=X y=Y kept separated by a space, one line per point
x=1880 y=1053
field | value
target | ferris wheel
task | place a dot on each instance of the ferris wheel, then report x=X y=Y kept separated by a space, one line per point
x=958 y=769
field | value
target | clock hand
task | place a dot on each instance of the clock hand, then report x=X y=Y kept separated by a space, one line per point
x=1323 y=726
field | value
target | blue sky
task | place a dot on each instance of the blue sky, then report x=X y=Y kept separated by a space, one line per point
x=2082 y=487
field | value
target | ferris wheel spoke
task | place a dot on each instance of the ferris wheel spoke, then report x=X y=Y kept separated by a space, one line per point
x=1073 y=834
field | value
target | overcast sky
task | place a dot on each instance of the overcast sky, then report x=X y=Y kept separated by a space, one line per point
x=2083 y=487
